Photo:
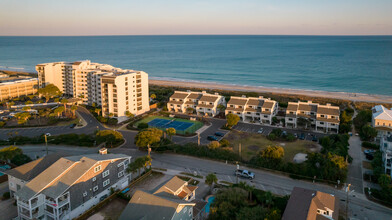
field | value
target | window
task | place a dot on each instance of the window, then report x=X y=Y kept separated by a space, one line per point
x=106 y=182
x=94 y=178
x=126 y=162
x=120 y=164
x=190 y=212
x=95 y=188
x=121 y=173
x=105 y=174
x=84 y=194
x=11 y=184
x=97 y=168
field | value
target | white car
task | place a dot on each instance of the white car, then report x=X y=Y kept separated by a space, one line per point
x=260 y=131
x=48 y=134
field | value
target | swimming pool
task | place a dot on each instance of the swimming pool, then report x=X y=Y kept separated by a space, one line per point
x=4 y=167
x=210 y=200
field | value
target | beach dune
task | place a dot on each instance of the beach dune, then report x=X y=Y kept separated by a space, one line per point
x=356 y=97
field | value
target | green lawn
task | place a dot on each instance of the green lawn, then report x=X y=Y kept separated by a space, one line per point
x=251 y=144
x=197 y=124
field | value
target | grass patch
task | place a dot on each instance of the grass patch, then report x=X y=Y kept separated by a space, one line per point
x=251 y=144
x=73 y=121
x=225 y=183
x=161 y=169
x=367 y=165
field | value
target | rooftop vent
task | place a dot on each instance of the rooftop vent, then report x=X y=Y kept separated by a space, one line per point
x=103 y=151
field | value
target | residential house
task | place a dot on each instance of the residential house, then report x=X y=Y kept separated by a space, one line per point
x=253 y=109
x=306 y=204
x=322 y=117
x=203 y=103
x=382 y=120
x=19 y=176
x=174 y=200
x=72 y=185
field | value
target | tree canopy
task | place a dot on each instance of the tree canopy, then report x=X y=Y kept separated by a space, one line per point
x=49 y=91
x=10 y=152
x=147 y=137
x=232 y=120
x=171 y=132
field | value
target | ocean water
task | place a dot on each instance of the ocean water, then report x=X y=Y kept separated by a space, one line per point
x=358 y=64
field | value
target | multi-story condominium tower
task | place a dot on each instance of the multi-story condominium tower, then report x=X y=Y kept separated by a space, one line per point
x=252 y=109
x=386 y=150
x=18 y=87
x=322 y=117
x=72 y=185
x=382 y=120
x=116 y=90
x=202 y=103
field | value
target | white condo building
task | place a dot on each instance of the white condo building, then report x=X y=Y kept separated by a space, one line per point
x=116 y=90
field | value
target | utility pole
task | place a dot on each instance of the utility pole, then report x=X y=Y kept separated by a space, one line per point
x=46 y=143
x=238 y=167
x=347 y=191
x=240 y=150
x=198 y=139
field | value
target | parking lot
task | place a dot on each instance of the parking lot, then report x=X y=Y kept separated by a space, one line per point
x=32 y=132
x=254 y=128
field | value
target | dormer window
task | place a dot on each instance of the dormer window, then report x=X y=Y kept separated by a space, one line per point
x=97 y=168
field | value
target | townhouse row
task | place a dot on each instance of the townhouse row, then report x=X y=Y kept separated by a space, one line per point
x=324 y=118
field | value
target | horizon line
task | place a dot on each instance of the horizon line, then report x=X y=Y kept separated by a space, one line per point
x=113 y=35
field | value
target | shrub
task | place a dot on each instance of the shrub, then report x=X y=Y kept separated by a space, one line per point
x=224 y=143
x=20 y=159
x=142 y=126
x=290 y=137
x=109 y=136
x=2 y=123
x=271 y=137
x=112 y=121
x=213 y=145
x=6 y=195
x=366 y=144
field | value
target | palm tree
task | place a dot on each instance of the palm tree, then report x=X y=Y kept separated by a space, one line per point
x=171 y=132
x=211 y=179
x=73 y=109
x=98 y=111
x=64 y=101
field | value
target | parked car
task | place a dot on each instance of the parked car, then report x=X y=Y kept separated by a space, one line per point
x=219 y=134
x=284 y=133
x=369 y=156
x=369 y=151
x=302 y=136
x=244 y=174
x=72 y=125
x=295 y=135
x=103 y=198
x=48 y=134
x=314 y=138
x=212 y=138
x=260 y=131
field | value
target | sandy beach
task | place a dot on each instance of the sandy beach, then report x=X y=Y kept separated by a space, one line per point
x=359 y=97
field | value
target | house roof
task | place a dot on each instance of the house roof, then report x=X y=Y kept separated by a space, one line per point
x=292 y=106
x=237 y=101
x=328 y=110
x=54 y=180
x=303 y=204
x=200 y=204
x=255 y=102
x=172 y=185
x=307 y=107
x=382 y=113
x=209 y=98
x=268 y=104
x=179 y=95
x=194 y=95
x=144 y=205
x=32 y=169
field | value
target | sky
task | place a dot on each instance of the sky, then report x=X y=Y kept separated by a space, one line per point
x=170 y=17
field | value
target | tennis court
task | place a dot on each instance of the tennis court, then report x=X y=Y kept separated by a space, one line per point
x=181 y=126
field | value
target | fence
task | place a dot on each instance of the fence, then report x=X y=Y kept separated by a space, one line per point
x=97 y=207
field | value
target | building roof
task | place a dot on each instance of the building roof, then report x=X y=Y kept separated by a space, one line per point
x=328 y=110
x=58 y=177
x=303 y=204
x=268 y=104
x=307 y=107
x=237 y=101
x=199 y=207
x=145 y=206
x=382 y=113
x=331 y=120
x=172 y=185
x=209 y=98
x=30 y=170
x=194 y=95
x=255 y=102
x=292 y=106
x=179 y=95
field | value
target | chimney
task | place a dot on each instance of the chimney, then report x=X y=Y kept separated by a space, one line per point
x=103 y=151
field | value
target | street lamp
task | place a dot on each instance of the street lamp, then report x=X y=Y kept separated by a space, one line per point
x=46 y=143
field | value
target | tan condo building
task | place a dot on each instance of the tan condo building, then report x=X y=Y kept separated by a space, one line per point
x=203 y=103
x=252 y=109
x=18 y=88
x=322 y=117
x=116 y=90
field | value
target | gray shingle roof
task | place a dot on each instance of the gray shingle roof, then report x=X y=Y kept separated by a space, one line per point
x=30 y=170
x=67 y=170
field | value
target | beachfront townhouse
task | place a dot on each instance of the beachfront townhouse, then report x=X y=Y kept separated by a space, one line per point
x=202 y=103
x=174 y=199
x=117 y=90
x=72 y=185
x=208 y=104
x=308 y=114
x=382 y=120
x=386 y=151
x=252 y=109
